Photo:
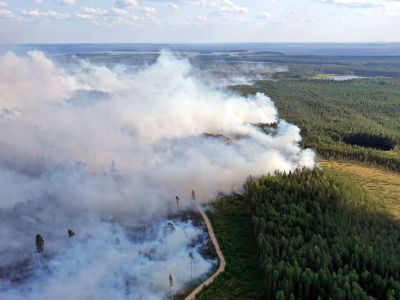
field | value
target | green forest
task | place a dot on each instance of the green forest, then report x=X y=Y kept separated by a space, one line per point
x=353 y=120
x=317 y=239
x=312 y=235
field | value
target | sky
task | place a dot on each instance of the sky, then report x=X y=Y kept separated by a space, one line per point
x=198 y=21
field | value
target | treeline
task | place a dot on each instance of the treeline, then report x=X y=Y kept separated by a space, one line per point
x=365 y=114
x=317 y=239
x=390 y=161
x=375 y=141
x=302 y=65
x=306 y=71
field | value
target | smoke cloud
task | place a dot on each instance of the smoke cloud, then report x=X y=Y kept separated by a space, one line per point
x=220 y=74
x=104 y=151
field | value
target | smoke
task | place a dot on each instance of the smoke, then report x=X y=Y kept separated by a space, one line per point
x=220 y=74
x=104 y=263
x=104 y=151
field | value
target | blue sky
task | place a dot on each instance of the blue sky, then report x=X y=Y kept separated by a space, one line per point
x=64 y=21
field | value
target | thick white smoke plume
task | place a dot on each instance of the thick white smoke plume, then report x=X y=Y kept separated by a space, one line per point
x=104 y=151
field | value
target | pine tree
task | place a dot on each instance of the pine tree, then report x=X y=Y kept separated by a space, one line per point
x=280 y=295
x=171 y=284
x=71 y=233
x=191 y=265
x=193 y=195
x=177 y=202
x=39 y=243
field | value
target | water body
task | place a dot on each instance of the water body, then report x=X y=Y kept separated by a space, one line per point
x=345 y=77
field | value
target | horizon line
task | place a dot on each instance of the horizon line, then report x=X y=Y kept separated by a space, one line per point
x=205 y=43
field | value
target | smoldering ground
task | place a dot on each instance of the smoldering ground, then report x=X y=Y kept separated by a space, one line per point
x=102 y=150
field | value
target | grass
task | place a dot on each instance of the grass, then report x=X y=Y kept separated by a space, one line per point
x=381 y=186
x=242 y=279
x=323 y=77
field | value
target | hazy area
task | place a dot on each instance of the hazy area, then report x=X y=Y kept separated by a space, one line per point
x=103 y=146
x=199 y=149
x=101 y=139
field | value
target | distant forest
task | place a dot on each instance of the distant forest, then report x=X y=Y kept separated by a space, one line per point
x=356 y=119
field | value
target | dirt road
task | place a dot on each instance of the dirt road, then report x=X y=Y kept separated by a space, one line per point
x=221 y=258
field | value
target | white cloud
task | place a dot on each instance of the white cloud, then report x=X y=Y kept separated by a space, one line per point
x=394 y=14
x=4 y=13
x=66 y=2
x=45 y=14
x=31 y=12
x=364 y=13
x=121 y=16
x=3 y=3
x=116 y=15
x=129 y=11
x=392 y=10
x=389 y=8
x=361 y=3
x=57 y=15
x=200 y=20
x=173 y=6
x=126 y=3
x=85 y=16
x=149 y=11
x=264 y=15
x=222 y=6
x=120 y=11
x=94 y=11
x=229 y=6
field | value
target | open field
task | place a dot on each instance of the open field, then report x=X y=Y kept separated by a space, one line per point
x=323 y=76
x=383 y=186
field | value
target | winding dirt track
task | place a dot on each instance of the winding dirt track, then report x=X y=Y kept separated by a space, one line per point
x=221 y=257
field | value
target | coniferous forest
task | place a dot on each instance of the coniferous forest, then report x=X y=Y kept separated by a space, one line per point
x=318 y=239
x=355 y=120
